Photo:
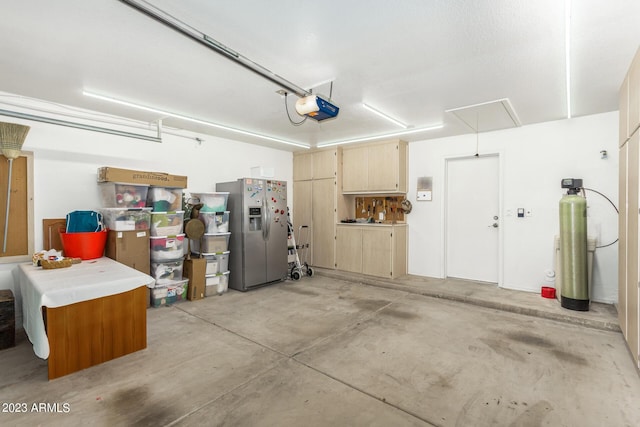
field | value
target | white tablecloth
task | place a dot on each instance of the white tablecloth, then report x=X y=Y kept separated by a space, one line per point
x=63 y=286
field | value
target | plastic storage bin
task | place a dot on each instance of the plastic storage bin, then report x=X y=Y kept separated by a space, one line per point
x=164 y=199
x=170 y=293
x=166 y=248
x=212 y=202
x=215 y=222
x=167 y=271
x=217 y=263
x=166 y=223
x=119 y=195
x=126 y=219
x=216 y=284
x=211 y=243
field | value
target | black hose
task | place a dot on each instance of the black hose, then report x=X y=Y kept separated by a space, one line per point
x=612 y=204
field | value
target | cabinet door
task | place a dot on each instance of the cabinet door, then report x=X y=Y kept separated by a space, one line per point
x=349 y=249
x=399 y=251
x=633 y=160
x=376 y=251
x=622 y=243
x=302 y=209
x=634 y=95
x=355 y=169
x=324 y=222
x=302 y=166
x=325 y=164
x=623 y=131
x=383 y=167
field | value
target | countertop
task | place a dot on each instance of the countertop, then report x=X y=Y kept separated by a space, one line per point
x=374 y=224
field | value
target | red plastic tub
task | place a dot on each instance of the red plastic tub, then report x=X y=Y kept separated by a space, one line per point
x=83 y=245
x=548 y=292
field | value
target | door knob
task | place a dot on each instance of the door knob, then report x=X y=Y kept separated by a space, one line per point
x=494 y=225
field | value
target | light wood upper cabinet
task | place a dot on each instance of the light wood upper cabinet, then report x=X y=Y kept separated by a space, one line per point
x=325 y=164
x=302 y=166
x=371 y=168
x=355 y=169
x=634 y=96
x=623 y=130
x=315 y=165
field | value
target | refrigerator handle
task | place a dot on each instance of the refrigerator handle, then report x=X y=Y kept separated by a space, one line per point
x=266 y=218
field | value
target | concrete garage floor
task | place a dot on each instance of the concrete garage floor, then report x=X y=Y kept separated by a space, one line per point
x=330 y=352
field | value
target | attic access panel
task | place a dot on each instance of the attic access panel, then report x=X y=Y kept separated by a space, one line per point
x=488 y=116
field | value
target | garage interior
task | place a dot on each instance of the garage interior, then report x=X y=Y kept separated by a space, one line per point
x=494 y=105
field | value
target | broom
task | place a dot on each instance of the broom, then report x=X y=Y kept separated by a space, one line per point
x=11 y=139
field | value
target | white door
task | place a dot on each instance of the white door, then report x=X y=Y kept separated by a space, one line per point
x=472 y=221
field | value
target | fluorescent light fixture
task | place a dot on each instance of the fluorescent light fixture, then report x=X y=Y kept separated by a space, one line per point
x=567 y=41
x=191 y=119
x=386 y=135
x=384 y=116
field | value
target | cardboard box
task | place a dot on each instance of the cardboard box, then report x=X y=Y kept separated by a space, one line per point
x=194 y=269
x=130 y=248
x=109 y=174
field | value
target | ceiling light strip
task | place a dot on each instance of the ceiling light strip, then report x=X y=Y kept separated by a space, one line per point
x=384 y=136
x=191 y=119
x=568 y=54
x=76 y=125
x=198 y=36
x=384 y=116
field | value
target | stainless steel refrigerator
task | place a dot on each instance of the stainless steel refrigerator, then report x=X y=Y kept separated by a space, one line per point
x=258 y=224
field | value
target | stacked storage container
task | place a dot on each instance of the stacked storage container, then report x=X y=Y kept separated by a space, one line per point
x=167 y=245
x=215 y=242
x=128 y=221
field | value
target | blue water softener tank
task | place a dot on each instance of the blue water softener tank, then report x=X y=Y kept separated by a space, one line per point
x=574 y=293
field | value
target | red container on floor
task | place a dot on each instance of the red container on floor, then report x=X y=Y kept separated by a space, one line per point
x=548 y=292
x=83 y=245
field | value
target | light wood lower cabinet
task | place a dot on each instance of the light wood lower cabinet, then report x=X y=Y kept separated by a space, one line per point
x=349 y=249
x=323 y=232
x=629 y=240
x=376 y=250
x=628 y=220
x=315 y=206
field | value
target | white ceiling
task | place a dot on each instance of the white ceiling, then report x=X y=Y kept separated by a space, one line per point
x=413 y=59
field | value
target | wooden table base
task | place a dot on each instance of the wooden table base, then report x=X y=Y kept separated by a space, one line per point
x=95 y=331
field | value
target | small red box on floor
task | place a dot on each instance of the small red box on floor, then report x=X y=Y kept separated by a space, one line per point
x=548 y=292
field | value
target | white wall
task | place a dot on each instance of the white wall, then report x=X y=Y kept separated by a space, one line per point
x=535 y=158
x=66 y=162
